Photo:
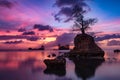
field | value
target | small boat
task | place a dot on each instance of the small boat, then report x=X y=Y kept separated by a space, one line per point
x=58 y=62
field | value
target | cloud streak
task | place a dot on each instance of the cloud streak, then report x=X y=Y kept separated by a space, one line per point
x=108 y=26
x=29 y=33
x=113 y=43
x=21 y=30
x=43 y=27
x=13 y=42
x=9 y=37
x=107 y=37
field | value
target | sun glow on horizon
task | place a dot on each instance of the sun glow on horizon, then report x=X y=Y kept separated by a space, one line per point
x=50 y=39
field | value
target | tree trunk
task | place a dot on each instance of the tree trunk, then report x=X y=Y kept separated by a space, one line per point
x=82 y=30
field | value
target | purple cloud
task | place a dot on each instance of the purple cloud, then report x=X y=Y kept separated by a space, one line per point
x=67 y=6
x=61 y=3
x=34 y=38
x=29 y=33
x=43 y=27
x=9 y=37
x=65 y=11
x=63 y=39
x=6 y=3
x=21 y=30
x=13 y=42
x=113 y=43
x=107 y=37
x=8 y=25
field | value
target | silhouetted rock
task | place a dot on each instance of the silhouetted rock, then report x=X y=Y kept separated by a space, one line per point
x=55 y=66
x=41 y=48
x=66 y=47
x=86 y=46
x=48 y=56
x=55 y=63
x=53 y=55
x=29 y=48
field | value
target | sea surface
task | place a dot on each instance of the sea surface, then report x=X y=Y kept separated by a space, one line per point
x=29 y=65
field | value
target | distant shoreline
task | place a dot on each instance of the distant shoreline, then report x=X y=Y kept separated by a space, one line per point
x=34 y=50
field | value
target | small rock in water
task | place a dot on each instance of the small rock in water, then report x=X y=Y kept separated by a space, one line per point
x=53 y=55
x=48 y=56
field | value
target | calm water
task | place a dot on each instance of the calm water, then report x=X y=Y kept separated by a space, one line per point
x=28 y=65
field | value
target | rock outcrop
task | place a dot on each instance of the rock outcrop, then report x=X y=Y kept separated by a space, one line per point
x=86 y=46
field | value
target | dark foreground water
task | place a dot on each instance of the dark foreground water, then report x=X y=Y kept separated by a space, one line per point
x=28 y=65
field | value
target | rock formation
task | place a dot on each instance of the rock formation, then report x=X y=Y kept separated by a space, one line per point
x=86 y=46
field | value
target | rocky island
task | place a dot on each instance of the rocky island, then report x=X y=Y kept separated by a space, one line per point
x=86 y=46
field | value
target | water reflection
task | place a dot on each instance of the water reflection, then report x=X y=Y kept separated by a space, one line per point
x=31 y=63
x=56 y=71
x=86 y=67
x=29 y=66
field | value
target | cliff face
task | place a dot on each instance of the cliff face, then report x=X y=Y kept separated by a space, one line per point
x=86 y=46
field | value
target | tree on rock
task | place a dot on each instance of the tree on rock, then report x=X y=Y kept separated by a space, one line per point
x=79 y=19
x=75 y=11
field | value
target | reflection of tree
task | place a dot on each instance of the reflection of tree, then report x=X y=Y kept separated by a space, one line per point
x=85 y=68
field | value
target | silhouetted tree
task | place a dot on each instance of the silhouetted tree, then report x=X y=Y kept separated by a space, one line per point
x=75 y=10
x=79 y=20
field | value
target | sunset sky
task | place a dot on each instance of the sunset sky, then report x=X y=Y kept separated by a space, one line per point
x=31 y=23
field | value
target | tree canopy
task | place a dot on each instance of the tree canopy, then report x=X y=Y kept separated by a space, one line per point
x=76 y=12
